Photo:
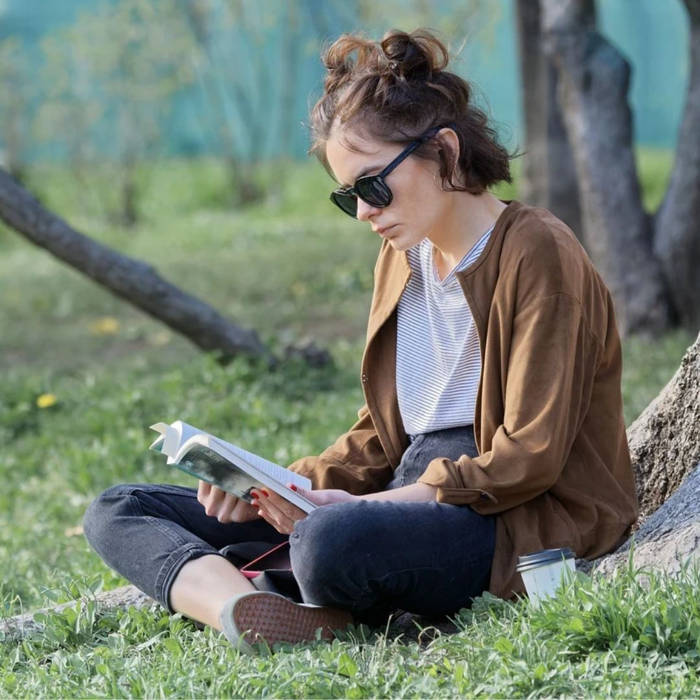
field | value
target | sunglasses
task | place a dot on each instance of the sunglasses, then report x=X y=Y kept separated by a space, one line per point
x=372 y=188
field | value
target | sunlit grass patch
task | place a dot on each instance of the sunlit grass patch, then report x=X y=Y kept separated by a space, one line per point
x=633 y=635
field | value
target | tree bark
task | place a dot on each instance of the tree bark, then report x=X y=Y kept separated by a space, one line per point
x=665 y=440
x=668 y=541
x=665 y=447
x=549 y=175
x=676 y=239
x=132 y=280
x=593 y=82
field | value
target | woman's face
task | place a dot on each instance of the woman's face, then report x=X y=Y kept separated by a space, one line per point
x=419 y=203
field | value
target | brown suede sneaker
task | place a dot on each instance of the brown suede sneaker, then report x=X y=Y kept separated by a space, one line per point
x=268 y=618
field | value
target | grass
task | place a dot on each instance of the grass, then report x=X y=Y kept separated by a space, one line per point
x=596 y=638
x=83 y=375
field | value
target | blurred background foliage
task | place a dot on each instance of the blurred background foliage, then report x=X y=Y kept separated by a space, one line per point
x=183 y=123
x=129 y=80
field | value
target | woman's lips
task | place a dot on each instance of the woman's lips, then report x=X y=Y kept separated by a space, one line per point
x=383 y=231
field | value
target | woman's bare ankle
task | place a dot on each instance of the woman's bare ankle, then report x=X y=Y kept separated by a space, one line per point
x=203 y=585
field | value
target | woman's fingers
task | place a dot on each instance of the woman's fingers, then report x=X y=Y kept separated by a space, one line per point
x=217 y=503
x=213 y=501
x=243 y=512
x=280 y=513
x=226 y=507
x=203 y=490
x=282 y=524
x=209 y=496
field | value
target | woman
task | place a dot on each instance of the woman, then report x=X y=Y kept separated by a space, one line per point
x=493 y=419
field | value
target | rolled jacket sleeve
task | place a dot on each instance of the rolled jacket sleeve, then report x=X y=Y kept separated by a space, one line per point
x=546 y=392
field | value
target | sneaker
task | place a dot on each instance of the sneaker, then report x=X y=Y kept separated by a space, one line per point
x=261 y=616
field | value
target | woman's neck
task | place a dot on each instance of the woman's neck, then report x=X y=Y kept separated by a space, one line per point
x=465 y=221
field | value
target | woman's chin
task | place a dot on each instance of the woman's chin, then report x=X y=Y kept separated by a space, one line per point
x=402 y=243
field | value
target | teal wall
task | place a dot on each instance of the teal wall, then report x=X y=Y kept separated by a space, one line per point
x=653 y=34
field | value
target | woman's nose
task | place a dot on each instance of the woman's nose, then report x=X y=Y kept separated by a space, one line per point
x=364 y=210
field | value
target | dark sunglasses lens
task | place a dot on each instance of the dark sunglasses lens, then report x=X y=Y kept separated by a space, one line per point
x=347 y=202
x=374 y=191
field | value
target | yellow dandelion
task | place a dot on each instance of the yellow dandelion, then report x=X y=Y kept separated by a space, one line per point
x=107 y=325
x=46 y=400
x=161 y=338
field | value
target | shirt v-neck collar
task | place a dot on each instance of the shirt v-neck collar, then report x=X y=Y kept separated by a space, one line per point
x=460 y=266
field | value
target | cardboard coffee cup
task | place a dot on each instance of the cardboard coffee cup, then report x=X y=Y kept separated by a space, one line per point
x=543 y=572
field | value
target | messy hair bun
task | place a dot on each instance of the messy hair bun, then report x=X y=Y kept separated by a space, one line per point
x=414 y=56
x=398 y=88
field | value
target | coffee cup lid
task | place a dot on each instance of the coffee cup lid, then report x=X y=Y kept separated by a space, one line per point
x=546 y=556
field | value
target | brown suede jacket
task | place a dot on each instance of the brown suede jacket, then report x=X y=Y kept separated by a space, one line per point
x=553 y=462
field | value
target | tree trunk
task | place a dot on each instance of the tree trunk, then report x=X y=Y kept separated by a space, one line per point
x=665 y=440
x=669 y=540
x=593 y=82
x=676 y=239
x=549 y=175
x=129 y=211
x=665 y=446
x=125 y=277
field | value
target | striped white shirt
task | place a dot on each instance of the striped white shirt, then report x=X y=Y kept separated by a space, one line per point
x=438 y=360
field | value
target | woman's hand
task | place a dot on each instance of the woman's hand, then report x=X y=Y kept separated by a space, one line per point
x=224 y=506
x=282 y=514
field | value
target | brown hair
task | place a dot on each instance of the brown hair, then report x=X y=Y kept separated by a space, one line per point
x=397 y=89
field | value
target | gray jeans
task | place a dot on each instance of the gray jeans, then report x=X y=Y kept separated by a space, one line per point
x=368 y=557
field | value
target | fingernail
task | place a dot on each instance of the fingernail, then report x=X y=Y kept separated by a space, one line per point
x=293 y=487
x=254 y=494
x=265 y=492
x=254 y=502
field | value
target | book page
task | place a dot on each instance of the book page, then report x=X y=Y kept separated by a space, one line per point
x=173 y=436
x=274 y=471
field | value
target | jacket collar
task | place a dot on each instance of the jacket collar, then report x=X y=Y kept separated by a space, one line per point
x=393 y=271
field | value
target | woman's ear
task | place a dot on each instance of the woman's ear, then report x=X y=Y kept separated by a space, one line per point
x=448 y=151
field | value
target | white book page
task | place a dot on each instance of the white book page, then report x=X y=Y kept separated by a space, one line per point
x=174 y=436
x=274 y=471
x=185 y=431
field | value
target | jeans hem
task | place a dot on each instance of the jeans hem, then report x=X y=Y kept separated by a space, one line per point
x=171 y=568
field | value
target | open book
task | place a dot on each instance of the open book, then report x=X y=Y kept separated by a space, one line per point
x=227 y=466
